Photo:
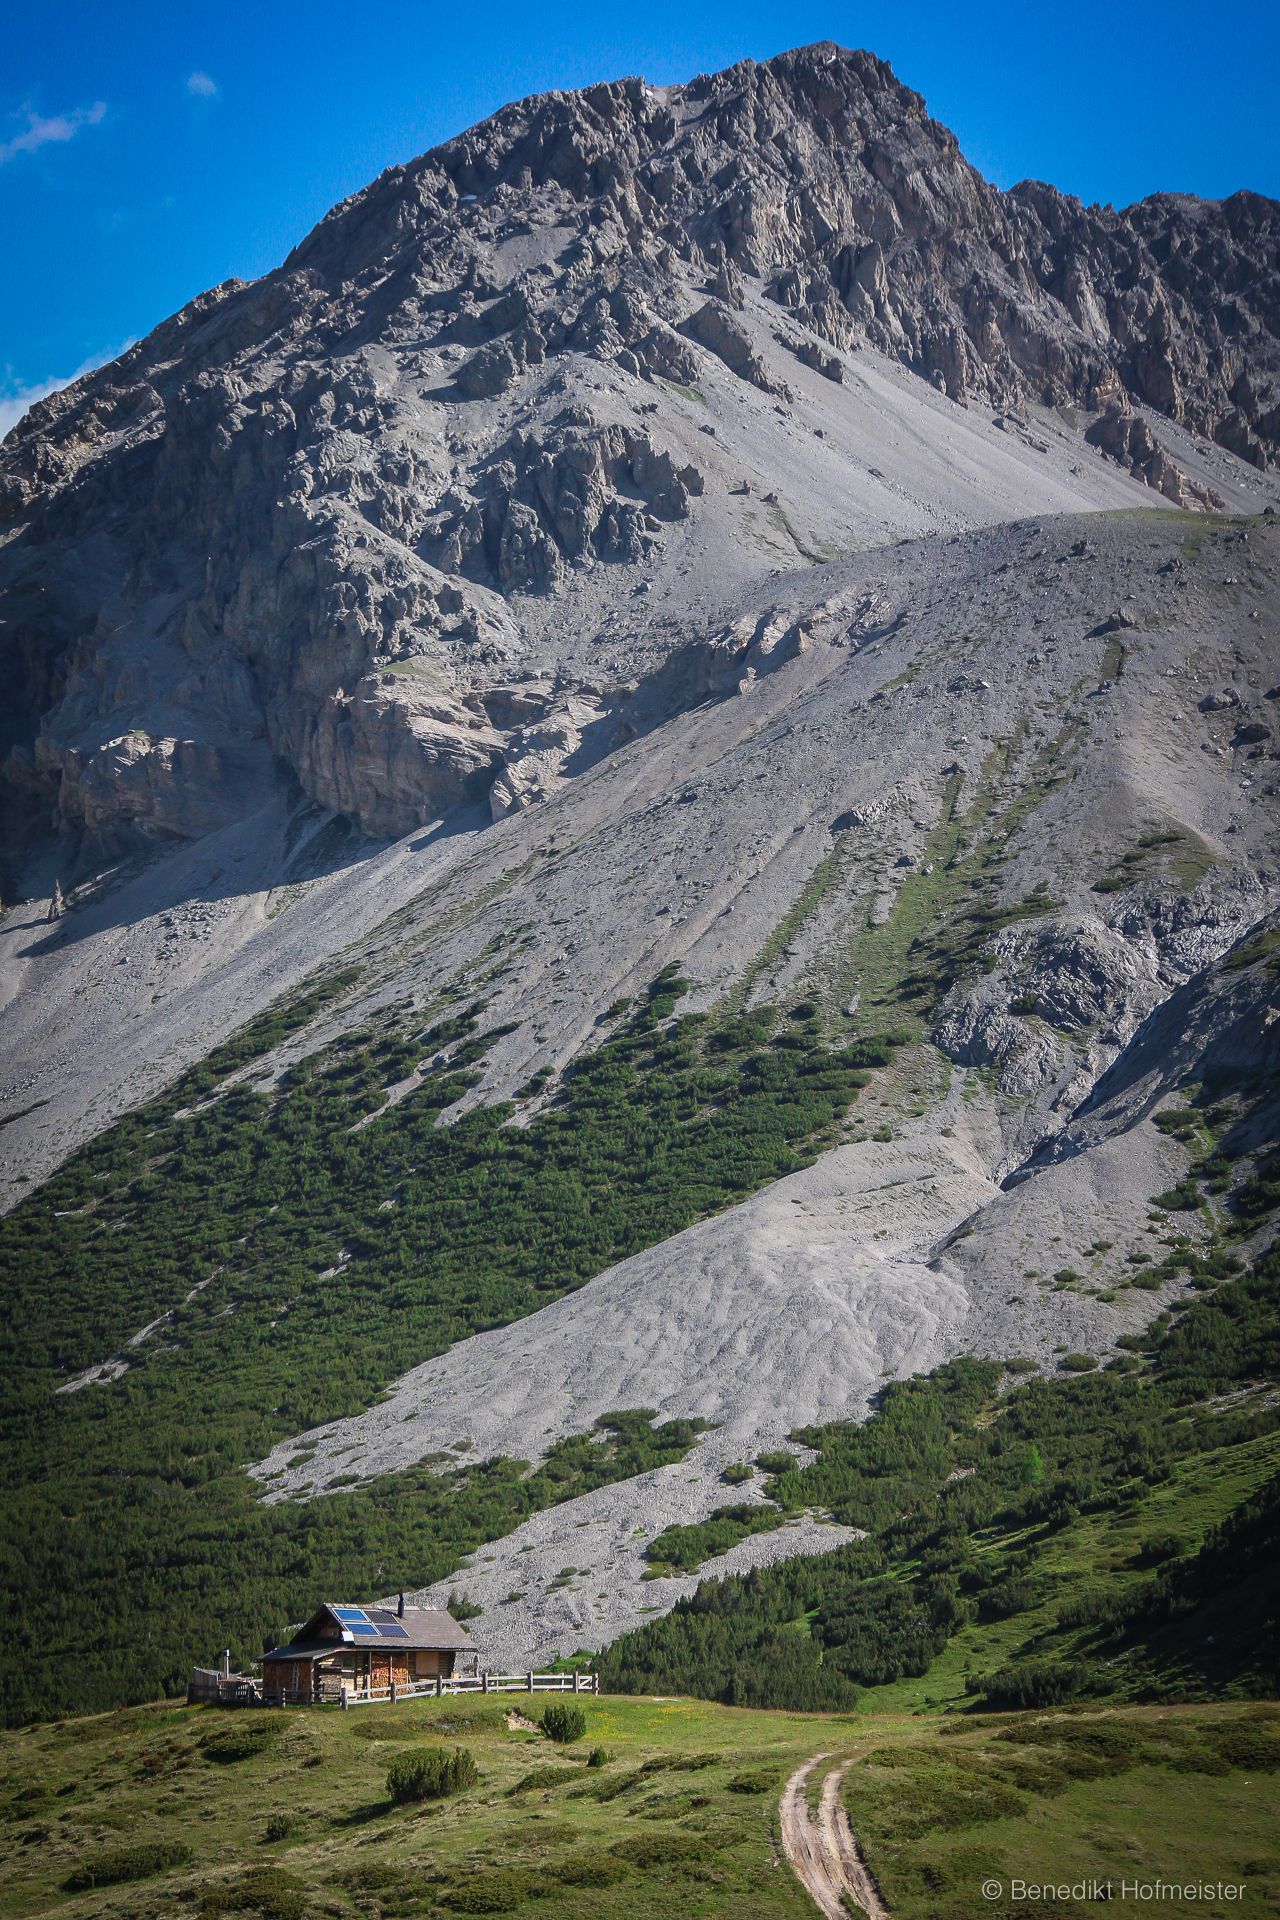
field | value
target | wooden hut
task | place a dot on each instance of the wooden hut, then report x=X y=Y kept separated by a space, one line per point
x=365 y=1648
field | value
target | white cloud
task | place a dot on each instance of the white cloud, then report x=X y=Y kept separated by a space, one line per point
x=44 y=130
x=16 y=399
x=201 y=85
x=13 y=405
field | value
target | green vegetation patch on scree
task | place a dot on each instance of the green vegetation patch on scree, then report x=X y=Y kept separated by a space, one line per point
x=682 y=1549
x=296 y=1248
x=947 y=908
x=1032 y=1540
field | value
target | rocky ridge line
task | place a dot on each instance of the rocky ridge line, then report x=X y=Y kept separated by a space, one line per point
x=310 y=525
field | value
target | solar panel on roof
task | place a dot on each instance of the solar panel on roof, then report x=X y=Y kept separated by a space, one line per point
x=391 y=1631
x=379 y=1613
x=364 y=1627
x=350 y=1613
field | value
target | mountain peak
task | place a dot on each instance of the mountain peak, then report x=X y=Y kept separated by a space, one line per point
x=465 y=396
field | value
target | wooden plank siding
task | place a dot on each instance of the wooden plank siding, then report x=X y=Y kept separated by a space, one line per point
x=358 y=1669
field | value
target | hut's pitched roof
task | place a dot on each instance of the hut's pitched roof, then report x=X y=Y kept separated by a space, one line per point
x=416 y=1630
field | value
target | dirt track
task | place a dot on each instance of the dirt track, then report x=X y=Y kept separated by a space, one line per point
x=822 y=1850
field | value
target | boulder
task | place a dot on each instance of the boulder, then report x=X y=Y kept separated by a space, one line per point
x=714 y=328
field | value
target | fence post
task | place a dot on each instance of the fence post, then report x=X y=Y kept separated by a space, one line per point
x=484 y=1681
x=393 y=1689
x=345 y=1702
x=575 y=1679
x=439 y=1685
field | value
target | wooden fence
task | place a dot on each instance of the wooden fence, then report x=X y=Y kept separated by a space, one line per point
x=210 y=1687
x=347 y=1695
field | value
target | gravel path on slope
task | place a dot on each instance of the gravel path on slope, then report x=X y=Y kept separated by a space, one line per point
x=822 y=1849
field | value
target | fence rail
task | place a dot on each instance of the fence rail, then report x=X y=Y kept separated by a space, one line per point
x=349 y=1696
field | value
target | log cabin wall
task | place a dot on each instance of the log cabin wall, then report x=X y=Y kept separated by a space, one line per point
x=290 y=1679
x=427 y=1664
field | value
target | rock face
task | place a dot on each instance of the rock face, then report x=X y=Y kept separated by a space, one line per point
x=1128 y=438
x=713 y=327
x=575 y=493
x=307 y=525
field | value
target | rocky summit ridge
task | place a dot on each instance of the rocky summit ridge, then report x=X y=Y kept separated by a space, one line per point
x=467 y=491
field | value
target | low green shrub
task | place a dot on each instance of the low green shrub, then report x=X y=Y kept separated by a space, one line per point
x=562 y=1722
x=599 y=1757
x=1036 y=1683
x=1160 y=1546
x=244 y=1741
x=430 y=1776
x=269 y=1893
x=495 y=1890
x=1091 y=1606
x=119 y=1864
x=668 y=1849
x=1248 y=1750
x=614 y=1785
x=924 y=1794
x=1184 y=1198
x=379 y=1876
x=541 y=1777
x=588 y=1870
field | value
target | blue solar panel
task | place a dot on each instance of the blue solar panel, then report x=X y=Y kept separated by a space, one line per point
x=390 y=1631
x=364 y=1627
x=350 y=1613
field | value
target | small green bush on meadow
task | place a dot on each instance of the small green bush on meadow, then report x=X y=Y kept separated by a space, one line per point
x=244 y=1741
x=430 y=1776
x=120 y=1864
x=562 y=1722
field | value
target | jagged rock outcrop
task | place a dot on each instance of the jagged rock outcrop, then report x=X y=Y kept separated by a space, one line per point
x=537 y=753
x=575 y=493
x=1070 y=990
x=1128 y=438
x=425 y=421
x=712 y=327
x=391 y=755
x=829 y=365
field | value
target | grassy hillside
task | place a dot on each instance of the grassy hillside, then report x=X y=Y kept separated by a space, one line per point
x=288 y=1816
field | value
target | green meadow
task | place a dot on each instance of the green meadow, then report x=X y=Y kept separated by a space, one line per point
x=664 y=1803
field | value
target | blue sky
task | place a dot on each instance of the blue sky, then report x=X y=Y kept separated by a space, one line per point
x=149 y=151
